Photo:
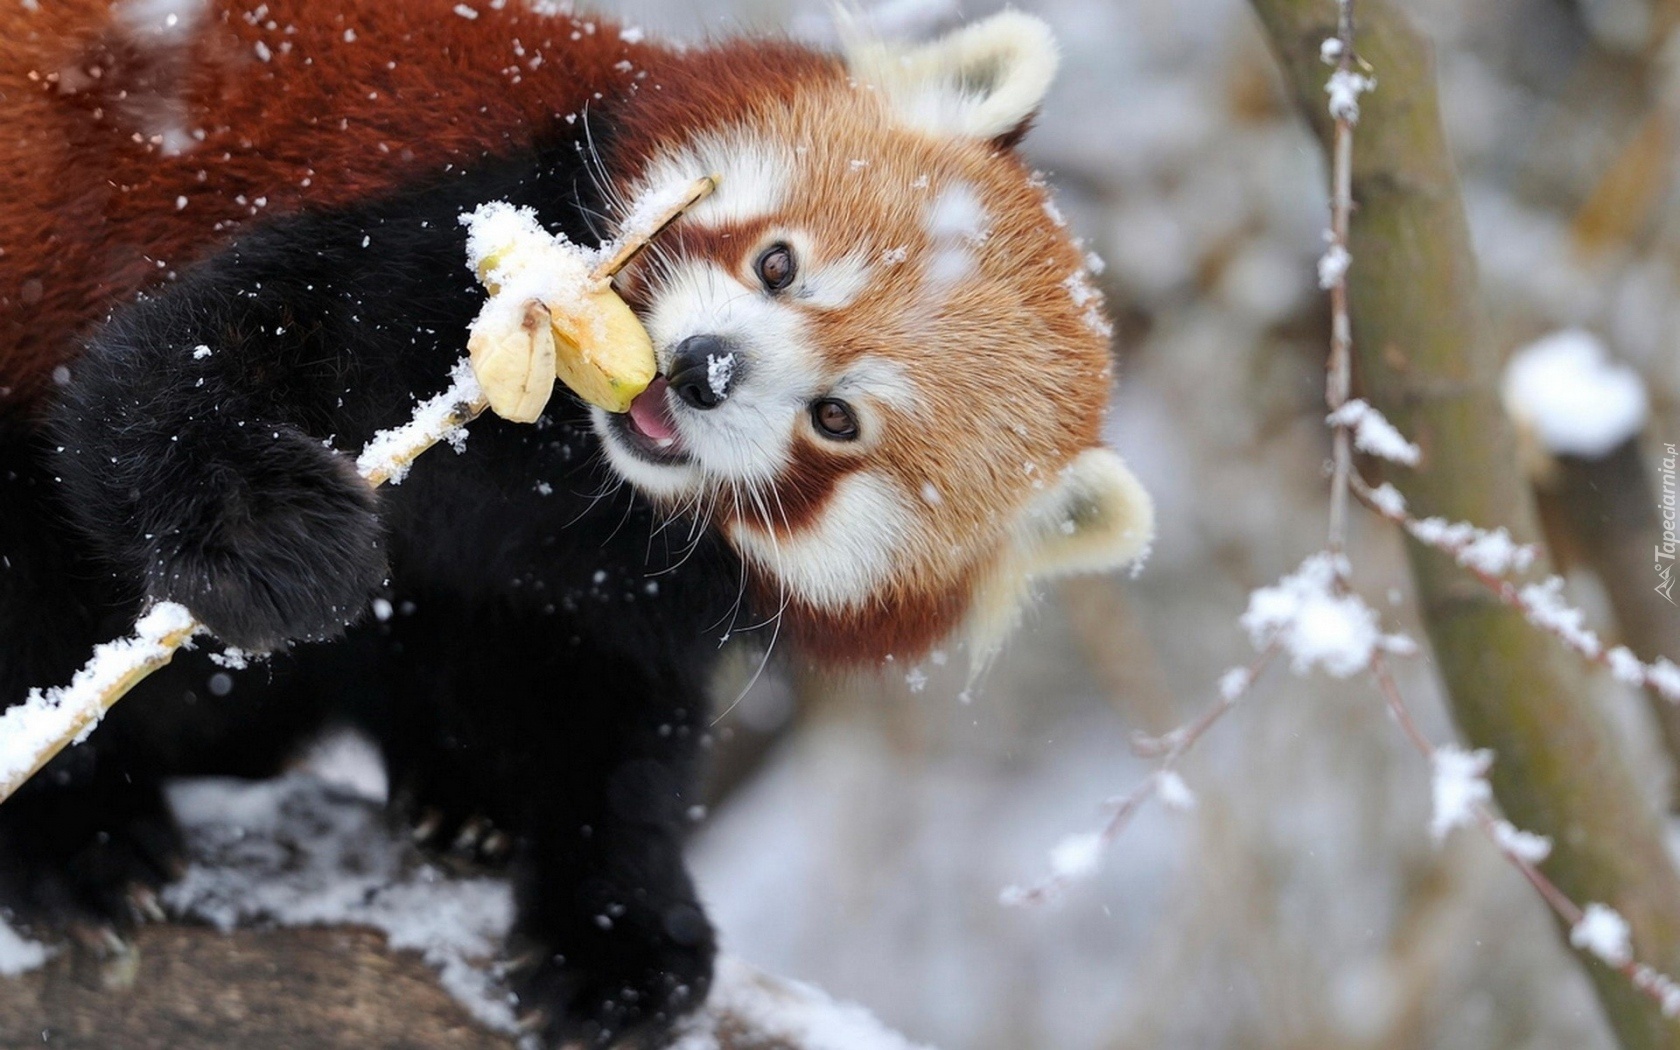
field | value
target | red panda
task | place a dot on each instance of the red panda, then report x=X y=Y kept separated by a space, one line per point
x=230 y=248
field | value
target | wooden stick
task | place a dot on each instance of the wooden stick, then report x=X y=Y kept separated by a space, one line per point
x=117 y=667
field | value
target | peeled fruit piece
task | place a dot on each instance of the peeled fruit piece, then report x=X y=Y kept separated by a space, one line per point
x=602 y=351
x=515 y=366
x=550 y=314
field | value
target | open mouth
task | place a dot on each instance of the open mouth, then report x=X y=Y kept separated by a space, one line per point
x=649 y=428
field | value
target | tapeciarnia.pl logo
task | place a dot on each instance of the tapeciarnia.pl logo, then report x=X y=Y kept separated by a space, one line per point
x=1666 y=550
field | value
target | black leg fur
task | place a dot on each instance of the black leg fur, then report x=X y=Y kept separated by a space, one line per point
x=546 y=664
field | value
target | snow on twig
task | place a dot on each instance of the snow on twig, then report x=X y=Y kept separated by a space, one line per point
x=1373 y=433
x=1317 y=621
x=1490 y=556
x=50 y=720
x=1314 y=616
x=1344 y=88
x=32 y=732
x=1079 y=856
x=1596 y=928
x=390 y=453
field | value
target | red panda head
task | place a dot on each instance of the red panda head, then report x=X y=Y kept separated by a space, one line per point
x=883 y=366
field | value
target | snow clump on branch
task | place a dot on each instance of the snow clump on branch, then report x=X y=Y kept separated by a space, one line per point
x=1306 y=614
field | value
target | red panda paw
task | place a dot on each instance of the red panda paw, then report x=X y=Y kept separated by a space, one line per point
x=277 y=542
x=616 y=998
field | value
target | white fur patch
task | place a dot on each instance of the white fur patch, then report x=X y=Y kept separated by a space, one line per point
x=878 y=379
x=753 y=176
x=843 y=559
x=981 y=81
x=957 y=223
x=747 y=438
x=835 y=285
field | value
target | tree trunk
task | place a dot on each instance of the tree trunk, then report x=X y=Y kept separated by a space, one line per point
x=1422 y=359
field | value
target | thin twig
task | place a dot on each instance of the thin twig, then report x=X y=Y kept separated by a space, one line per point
x=1333 y=271
x=1652 y=983
x=1660 y=675
x=1170 y=747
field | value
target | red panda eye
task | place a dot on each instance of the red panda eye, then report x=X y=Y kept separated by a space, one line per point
x=775 y=267
x=834 y=420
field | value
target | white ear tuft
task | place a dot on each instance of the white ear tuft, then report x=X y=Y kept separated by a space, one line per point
x=1095 y=517
x=982 y=81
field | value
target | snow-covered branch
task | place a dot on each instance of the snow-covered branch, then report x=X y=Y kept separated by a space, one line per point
x=1491 y=556
x=1079 y=856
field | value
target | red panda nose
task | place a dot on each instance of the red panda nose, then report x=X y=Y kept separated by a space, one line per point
x=704 y=370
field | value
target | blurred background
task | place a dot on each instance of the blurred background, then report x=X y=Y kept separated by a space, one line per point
x=861 y=831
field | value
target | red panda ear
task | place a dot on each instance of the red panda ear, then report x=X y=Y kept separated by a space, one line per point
x=1097 y=516
x=983 y=81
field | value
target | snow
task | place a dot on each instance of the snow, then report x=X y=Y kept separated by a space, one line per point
x=786 y=1013
x=1234 y=683
x=1077 y=856
x=1526 y=846
x=1373 y=433
x=298 y=852
x=29 y=729
x=1459 y=786
x=649 y=210
x=509 y=247
x=1174 y=792
x=1603 y=932
x=1333 y=266
x=391 y=452
x=1317 y=626
x=1547 y=610
x=719 y=371
x=1576 y=399
x=1086 y=297
x=18 y=954
x=1344 y=88
x=1388 y=500
x=1492 y=552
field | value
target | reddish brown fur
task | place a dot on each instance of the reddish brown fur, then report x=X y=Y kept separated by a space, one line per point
x=89 y=216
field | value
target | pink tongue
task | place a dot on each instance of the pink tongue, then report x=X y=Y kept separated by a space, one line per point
x=650 y=413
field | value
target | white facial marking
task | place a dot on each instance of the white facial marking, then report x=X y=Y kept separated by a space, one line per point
x=745 y=439
x=834 y=285
x=753 y=176
x=845 y=556
x=878 y=379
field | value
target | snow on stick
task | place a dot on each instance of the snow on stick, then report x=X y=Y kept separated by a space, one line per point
x=37 y=729
x=50 y=720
